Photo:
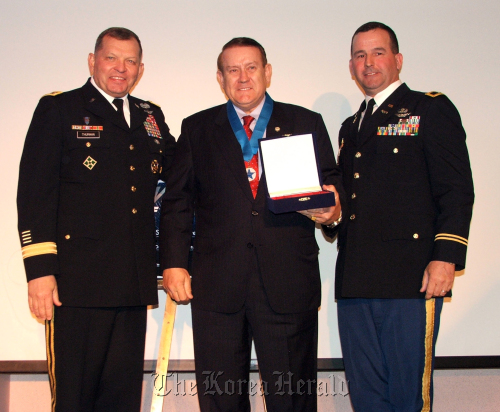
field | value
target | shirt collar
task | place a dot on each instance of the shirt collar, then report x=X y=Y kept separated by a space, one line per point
x=111 y=98
x=255 y=113
x=384 y=94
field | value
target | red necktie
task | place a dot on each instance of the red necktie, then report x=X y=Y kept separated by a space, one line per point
x=252 y=167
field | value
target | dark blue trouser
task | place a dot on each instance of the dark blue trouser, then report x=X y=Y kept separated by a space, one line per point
x=388 y=350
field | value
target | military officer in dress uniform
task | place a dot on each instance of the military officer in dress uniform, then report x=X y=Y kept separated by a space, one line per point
x=87 y=180
x=405 y=227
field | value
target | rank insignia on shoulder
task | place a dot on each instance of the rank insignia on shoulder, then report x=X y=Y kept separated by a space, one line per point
x=434 y=94
x=52 y=94
x=153 y=103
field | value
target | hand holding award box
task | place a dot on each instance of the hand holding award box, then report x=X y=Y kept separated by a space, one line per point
x=293 y=174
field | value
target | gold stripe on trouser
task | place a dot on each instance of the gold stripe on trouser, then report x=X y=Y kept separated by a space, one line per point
x=430 y=310
x=51 y=362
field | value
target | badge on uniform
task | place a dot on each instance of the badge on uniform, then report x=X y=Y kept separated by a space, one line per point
x=155 y=167
x=151 y=126
x=87 y=132
x=340 y=149
x=405 y=127
x=89 y=163
x=403 y=113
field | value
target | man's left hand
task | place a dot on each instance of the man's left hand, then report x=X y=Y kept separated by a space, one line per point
x=438 y=279
x=325 y=215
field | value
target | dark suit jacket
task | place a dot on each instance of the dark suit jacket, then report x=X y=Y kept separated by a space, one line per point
x=92 y=225
x=409 y=198
x=232 y=229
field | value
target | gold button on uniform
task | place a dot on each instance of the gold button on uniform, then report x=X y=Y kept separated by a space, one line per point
x=131 y=147
x=358 y=155
x=395 y=150
x=352 y=217
x=67 y=237
x=353 y=195
x=88 y=144
x=134 y=210
x=133 y=188
x=132 y=168
x=415 y=236
x=356 y=175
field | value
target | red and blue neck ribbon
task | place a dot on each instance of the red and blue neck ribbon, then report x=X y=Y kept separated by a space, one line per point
x=249 y=147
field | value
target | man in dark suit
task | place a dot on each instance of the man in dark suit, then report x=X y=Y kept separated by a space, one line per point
x=87 y=180
x=255 y=274
x=406 y=222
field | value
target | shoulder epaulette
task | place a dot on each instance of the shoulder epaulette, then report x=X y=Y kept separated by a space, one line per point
x=157 y=105
x=52 y=94
x=434 y=94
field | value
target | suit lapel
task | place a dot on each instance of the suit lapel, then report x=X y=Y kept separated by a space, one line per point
x=137 y=114
x=231 y=151
x=386 y=110
x=354 y=126
x=279 y=125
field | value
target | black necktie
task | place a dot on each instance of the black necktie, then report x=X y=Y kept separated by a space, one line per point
x=119 y=104
x=368 y=112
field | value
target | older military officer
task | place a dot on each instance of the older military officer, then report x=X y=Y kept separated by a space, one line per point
x=87 y=179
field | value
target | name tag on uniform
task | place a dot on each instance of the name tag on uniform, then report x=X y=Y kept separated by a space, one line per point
x=87 y=132
x=88 y=135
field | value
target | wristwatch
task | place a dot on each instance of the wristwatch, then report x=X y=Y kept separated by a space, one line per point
x=336 y=223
